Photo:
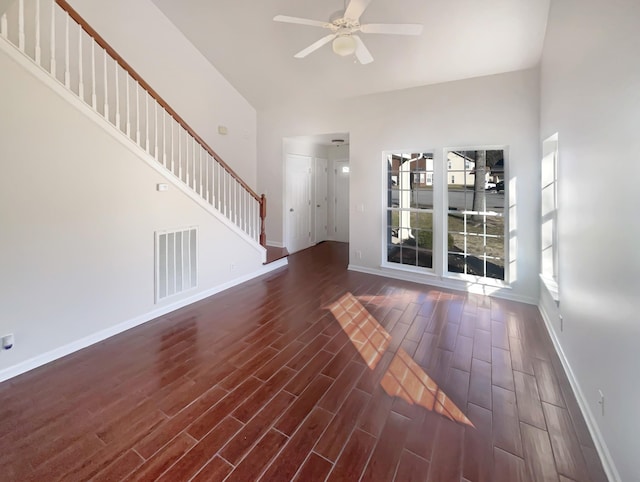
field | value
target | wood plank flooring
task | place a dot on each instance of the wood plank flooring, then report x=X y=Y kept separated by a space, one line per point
x=262 y=382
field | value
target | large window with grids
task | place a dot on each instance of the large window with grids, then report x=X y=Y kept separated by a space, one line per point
x=445 y=213
x=475 y=194
x=409 y=209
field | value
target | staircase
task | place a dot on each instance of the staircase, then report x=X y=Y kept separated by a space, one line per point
x=55 y=37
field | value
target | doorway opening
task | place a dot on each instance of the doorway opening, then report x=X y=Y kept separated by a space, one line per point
x=316 y=190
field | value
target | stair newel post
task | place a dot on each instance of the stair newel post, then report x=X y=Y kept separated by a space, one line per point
x=263 y=215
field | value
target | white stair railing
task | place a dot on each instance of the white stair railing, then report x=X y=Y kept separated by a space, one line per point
x=54 y=36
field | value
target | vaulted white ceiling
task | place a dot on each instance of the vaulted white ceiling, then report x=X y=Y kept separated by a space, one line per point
x=461 y=39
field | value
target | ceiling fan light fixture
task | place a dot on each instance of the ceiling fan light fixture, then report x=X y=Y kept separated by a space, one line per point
x=344 y=45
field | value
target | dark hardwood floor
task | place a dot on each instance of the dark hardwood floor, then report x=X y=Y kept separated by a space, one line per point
x=270 y=380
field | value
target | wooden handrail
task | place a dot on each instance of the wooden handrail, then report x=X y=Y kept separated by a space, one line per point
x=103 y=43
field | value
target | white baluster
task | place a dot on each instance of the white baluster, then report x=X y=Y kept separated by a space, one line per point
x=244 y=210
x=137 y=113
x=38 y=52
x=235 y=201
x=3 y=26
x=201 y=172
x=164 y=137
x=210 y=166
x=187 y=170
x=146 y=115
x=194 y=179
x=219 y=192
x=155 y=122
x=116 y=68
x=223 y=192
x=94 y=95
x=172 y=149
x=180 y=151
x=106 y=86
x=21 y=25
x=80 y=66
x=128 y=103
x=52 y=64
x=206 y=177
x=67 y=74
x=227 y=196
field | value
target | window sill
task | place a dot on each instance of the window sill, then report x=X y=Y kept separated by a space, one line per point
x=408 y=268
x=468 y=280
x=490 y=282
x=552 y=287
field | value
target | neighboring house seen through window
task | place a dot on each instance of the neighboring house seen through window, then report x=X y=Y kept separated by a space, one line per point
x=469 y=238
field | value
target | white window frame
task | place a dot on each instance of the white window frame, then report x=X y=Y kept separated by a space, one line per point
x=549 y=189
x=407 y=267
x=440 y=179
x=445 y=208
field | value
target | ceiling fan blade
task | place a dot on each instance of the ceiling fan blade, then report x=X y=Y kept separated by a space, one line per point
x=301 y=21
x=315 y=46
x=392 y=28
x=362 y=52
x=355 y=9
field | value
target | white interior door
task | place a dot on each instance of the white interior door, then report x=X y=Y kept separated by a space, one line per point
x=298 y=202
x=321 y=212
x=341 y=201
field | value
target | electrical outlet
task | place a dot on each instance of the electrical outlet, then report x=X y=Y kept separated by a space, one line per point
x=601 y=401
x=232 y=267
x=7 y=341
x=358 y=254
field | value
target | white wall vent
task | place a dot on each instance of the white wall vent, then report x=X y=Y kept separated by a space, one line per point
x=176 y=267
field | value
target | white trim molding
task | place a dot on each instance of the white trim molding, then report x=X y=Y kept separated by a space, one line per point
x=69 y=348
x=503 y=292
x=550 y=314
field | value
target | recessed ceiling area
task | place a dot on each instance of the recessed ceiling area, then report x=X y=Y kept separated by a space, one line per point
x=461 y=39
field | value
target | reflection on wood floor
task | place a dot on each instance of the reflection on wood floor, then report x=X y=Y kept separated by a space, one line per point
x=404 y=378
x=309 y=373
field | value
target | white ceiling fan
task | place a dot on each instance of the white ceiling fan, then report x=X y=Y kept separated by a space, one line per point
x=344 y=25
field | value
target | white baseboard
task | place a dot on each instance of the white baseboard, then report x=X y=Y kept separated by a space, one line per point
x=452 y=284
x=102 y=335
x=601 y=446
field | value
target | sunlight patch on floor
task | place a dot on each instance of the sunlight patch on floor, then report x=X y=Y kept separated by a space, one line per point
x=404 y=378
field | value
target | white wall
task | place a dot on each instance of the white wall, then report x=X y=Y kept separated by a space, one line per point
x=174 y=68
x=590 y=95
x=78 y=212
x=495 y=110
